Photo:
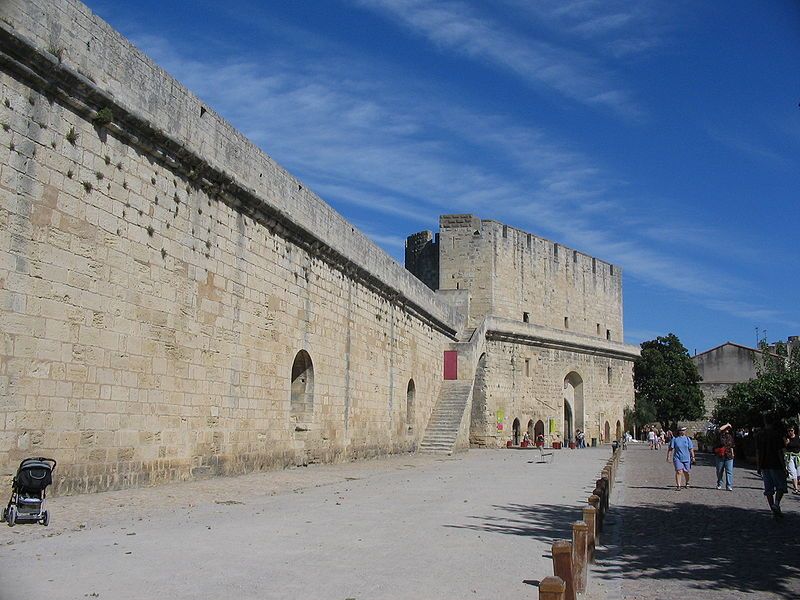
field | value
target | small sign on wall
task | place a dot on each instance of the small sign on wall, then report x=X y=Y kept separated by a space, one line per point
x=501 y=416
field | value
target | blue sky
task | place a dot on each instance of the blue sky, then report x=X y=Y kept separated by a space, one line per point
x=660 y=136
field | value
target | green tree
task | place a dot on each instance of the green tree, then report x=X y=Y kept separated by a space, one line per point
x=642 y=413
x=665 y=378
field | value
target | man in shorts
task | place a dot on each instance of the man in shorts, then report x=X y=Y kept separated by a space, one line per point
x=682 y=451
x=769 y=456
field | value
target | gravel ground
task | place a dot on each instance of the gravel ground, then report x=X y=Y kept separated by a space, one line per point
x=661 y=543
x=477 y=525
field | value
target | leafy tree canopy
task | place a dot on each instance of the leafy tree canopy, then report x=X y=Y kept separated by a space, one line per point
x=665 y=379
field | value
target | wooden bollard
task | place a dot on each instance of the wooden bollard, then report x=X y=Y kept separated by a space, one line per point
x=551 y=588
x=602 y=485
x=606 y=474
x=562 y=566
x=594 y=500
x=601 y=513
x=579 y=564
x=590 y=518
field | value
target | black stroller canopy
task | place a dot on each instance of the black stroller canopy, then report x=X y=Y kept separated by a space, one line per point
x=35 y=474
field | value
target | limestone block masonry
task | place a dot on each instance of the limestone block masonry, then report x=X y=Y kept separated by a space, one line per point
x=173 y=304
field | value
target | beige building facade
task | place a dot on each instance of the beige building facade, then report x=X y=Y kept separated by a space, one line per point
x=724 y=365
x=174 y=304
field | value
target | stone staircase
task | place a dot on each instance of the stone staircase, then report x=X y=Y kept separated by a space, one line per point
x=443 y=428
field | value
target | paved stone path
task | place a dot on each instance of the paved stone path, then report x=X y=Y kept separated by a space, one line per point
x=696 y=543
x=477 y=525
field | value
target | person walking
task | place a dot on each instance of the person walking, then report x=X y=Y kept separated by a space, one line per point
x=651 y=438
x=682 y=451
x=792 y=453
x=769 y=456
x=724 y=451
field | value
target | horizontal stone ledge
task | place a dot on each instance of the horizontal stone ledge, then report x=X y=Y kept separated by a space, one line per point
x=515 y=338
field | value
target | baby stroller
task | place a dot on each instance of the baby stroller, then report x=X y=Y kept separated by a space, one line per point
x=28 y=492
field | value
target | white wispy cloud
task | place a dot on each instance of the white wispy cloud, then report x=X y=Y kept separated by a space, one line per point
x=753 y=313
x=456 y=27
x=393 y=147
x=619 y=28
x=748 y=147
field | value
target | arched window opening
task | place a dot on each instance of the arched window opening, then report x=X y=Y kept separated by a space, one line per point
x=517 y=437
x=619 y=430
x=411 y=391
x=302 y=398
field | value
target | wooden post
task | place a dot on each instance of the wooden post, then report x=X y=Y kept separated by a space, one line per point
x=551 y=588
x=600 y=490
x=589 y=517
x=579 y=566
x=562 y=566
x=606 y=474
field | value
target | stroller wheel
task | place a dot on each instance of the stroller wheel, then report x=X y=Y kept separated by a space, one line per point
x=11 y=516
x=45 y=518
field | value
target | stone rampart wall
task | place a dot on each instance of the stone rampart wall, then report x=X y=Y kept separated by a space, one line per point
x=159 y=275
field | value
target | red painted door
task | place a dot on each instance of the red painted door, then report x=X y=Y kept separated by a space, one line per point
x=451 y=364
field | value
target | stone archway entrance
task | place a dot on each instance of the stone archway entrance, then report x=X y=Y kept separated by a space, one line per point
x=517 y=436
x=573 y=394
x=538 y=431
x=568 y=423
x=530 y=430
x=478 y=423
x=619 y=431
x=607 y=431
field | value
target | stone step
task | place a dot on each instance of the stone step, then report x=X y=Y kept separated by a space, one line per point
x=442 y=431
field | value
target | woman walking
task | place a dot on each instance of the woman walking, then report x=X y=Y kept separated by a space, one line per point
x=792 y=453
x=682 y=458
x=724 y=453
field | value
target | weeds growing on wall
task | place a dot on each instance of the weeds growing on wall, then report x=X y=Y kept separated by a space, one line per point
x=103 y=117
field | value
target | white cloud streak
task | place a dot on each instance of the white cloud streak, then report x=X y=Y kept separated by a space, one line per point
x=455 y=27
x=391 y=148
x=618 y=28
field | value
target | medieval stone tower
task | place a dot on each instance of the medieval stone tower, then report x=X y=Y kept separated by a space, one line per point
x=554 y=359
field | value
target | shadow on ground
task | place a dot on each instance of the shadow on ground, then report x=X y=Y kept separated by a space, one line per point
x=706 y=547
